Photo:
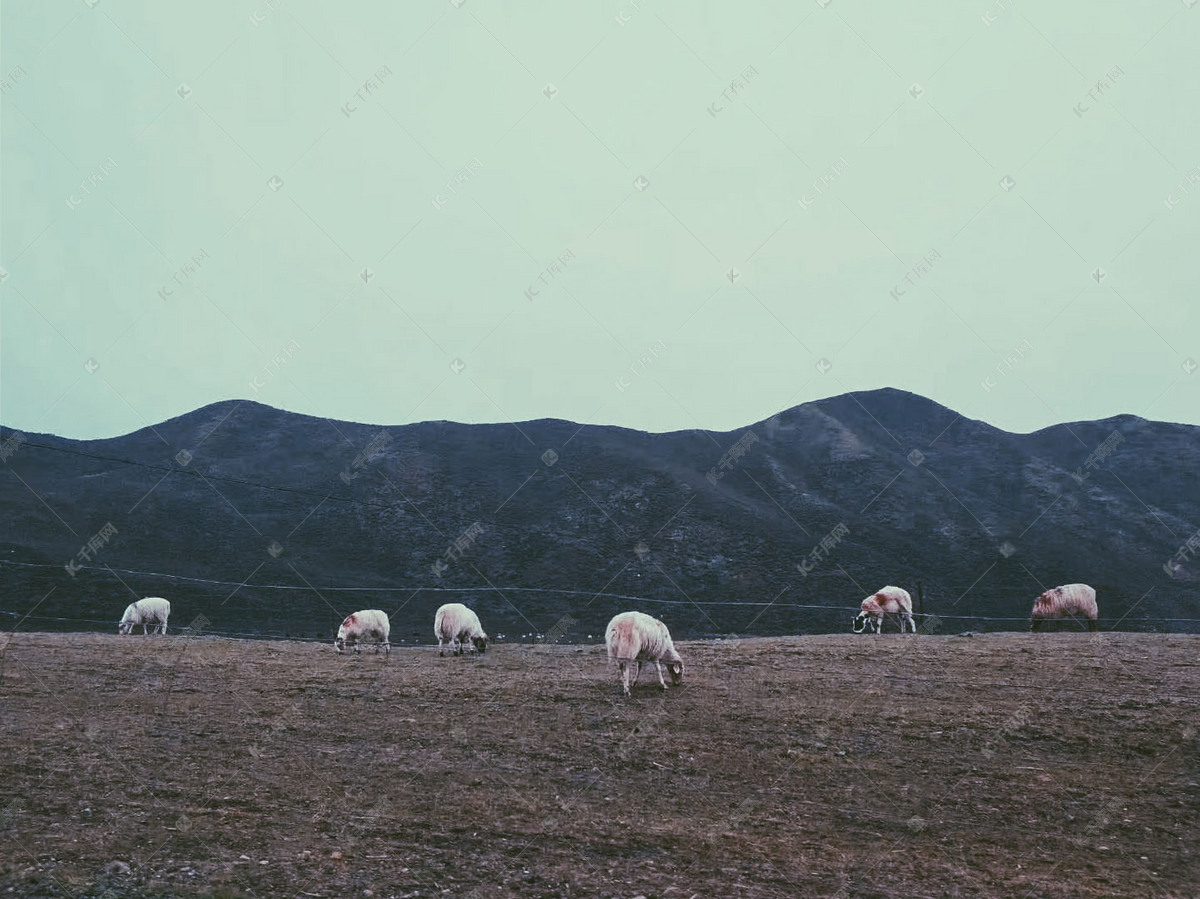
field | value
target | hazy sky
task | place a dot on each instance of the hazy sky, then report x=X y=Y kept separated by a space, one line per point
x=485 y=212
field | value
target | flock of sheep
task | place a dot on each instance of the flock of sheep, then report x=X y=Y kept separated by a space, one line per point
x=631 y=637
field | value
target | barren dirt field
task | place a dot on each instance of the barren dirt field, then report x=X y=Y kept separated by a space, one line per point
x=851 y=766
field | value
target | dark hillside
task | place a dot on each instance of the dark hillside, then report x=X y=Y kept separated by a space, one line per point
x=984 y=518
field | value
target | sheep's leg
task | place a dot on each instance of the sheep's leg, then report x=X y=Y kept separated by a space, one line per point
x=1093 y=625
x=441 y=651
x=624 y=666
x=658 y=665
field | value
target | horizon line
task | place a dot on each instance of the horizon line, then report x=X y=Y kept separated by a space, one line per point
x=239 y=401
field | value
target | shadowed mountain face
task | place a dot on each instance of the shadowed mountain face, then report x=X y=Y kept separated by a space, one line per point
x=551 y=527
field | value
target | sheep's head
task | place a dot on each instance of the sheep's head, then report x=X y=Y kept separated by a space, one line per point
x=676 y=669
x=480 y=643
x=340 y=643
x=124 y=627
x=864 y=623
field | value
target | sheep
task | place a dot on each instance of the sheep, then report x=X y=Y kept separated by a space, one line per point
x=367 y=623
x=1070 y=599
x=889 y=601
x=637 y=637
x=454 y=624
x=152 y=610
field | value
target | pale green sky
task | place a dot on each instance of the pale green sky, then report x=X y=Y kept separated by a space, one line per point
x=1039 y=157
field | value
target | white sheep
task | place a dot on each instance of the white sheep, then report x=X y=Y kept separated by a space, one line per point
x=367 y=623
x=638 y=637
x=152 y=610
x=888 y=601
x=1069 y=599
x=455 y=624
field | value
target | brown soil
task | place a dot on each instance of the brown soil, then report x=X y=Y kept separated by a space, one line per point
x=1047 y=765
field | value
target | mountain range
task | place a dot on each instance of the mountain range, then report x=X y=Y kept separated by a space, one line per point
x=257 y=521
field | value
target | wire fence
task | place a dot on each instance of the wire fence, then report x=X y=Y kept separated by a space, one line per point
x=929 y=622
x=813 y=618
x=423 y=588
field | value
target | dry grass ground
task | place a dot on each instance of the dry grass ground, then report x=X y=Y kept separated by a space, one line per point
x=995 y=765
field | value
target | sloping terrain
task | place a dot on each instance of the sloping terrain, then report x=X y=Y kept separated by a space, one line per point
x=560 y=525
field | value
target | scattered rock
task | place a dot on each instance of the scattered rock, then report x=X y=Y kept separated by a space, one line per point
x=116 y=867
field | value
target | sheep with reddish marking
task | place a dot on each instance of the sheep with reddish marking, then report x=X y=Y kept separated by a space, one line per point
x=635 y=637
x=369 y=623
x=455 y=624
x=151 y=611
x=888 y=601
x=1069 y=599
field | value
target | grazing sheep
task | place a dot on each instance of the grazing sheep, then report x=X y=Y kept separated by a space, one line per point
x=153 y=610
x=367 y=623
x=889 y=601
x=1070 y=599
x=637 y=637
x=454 y=623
